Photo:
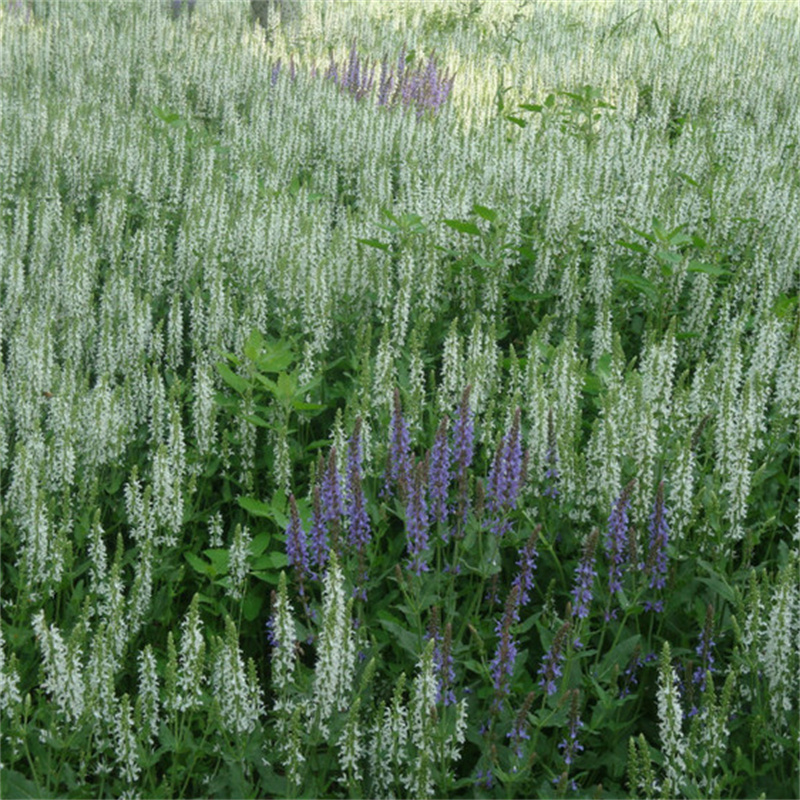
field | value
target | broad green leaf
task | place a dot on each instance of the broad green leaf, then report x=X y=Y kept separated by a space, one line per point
x=236 y=382
x=708 y=269
x=375 y=243
x=15 y=786
x=257 y=421
x=482 y=211
x=219 y=558
x=201 y=566
x=256 y=507
x=640 y=283
x=253 y=345
x=463 y=227
x=259 y=543
x=407 y=640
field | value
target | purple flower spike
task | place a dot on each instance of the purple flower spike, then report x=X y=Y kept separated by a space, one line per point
x=331 y=497
x=705 y=650
x=616 y=542
x=463 y=452
x=296 y=550
x=551 y=474
x=519 y=730
x=505 y=478
x=570 y=746
x=398 y=463
x=417 y=523
x=439 y=473
x=360 y=530
x=502 y=666
x=656 y=566
x=585 y=574
x=527 y=565
x=551 y=664
x=319 y=533
x=276 y=71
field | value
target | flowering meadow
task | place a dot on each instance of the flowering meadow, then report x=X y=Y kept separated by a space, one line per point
x=400 y=399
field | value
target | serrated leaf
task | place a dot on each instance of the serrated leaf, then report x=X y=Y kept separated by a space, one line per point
x=198 y=564
x=253 y=345
x=463 y=227
x=259 y=543
x=252 y=605
x=640 y=283
x=374 y=243
x=257 y=421
x=236 y=382
x=15 y=786
x=488 y=214
x=707 y=269
x=256 y=507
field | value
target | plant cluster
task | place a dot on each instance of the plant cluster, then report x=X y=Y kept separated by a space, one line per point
x=442 y=453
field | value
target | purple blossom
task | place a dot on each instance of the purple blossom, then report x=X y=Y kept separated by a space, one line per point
x=585 y=574
x=570 y=745
x=656 y=566
x=417 y=523
x=439 y=473
x=296 y=549
x=502 y=666
x=484 y=779
x=519 y=728
x=463 y=452
x=360 y=530
x=526 y=564
x=276 y=71
x=331 y=498
x=398 y=463
x=385 y=83
x=505 y=478
x=704 y=650
x=616 y=542
x=551 y=663
x=551 y=474
x=630 y=675
x=272 y=636
x=442 y=659
x=318 y=533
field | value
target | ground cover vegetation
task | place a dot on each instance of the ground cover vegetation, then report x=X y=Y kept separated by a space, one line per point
x=399 y=399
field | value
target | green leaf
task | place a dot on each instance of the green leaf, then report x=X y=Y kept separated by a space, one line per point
x=260 y=543
x=236 y=382
x=252 y=605
x=219 y=558
x=707 y=269
x=15 y=785
x=463 y=227
x=253 y=345
x=276 y=356
x=407 y=640
x=257 y=421
x=374 y=243
x=201 y=566
x=717 y=582
x=256 y=507
x=517 y=121
x=486 y=213
x=641 y=284
x=635 y=246
x=621 y=655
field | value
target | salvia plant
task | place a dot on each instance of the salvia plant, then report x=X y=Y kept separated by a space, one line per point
x=402 y=403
